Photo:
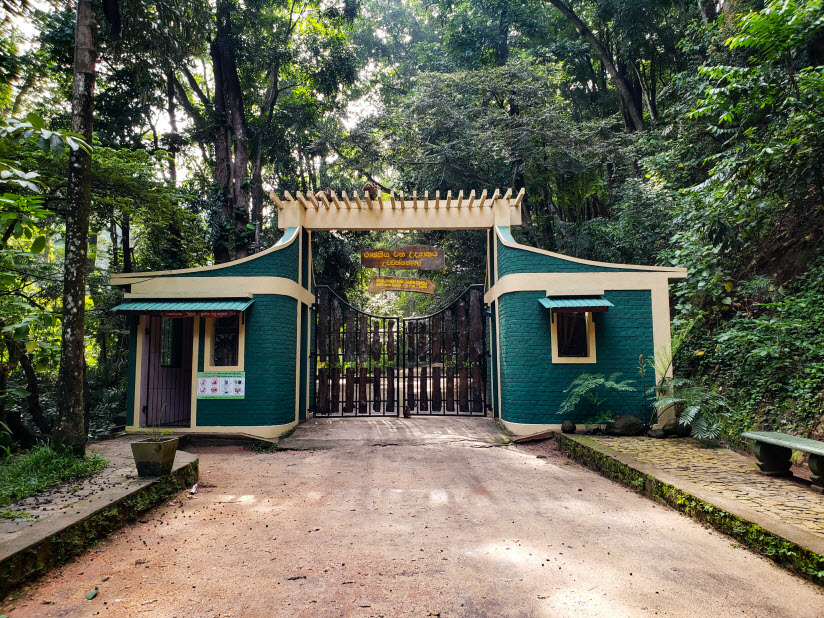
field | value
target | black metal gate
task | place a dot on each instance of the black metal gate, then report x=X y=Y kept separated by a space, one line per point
x=371 y=365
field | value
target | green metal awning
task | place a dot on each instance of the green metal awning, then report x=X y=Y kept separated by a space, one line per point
x=144 y=306
x=571 y=304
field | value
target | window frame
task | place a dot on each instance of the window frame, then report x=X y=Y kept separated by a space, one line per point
x=175 y=345
x=209 y=346
x=591 y=357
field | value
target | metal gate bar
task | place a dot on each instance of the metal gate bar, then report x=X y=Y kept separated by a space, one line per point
x=371 y=365
x=356 y=359
x=446 y=358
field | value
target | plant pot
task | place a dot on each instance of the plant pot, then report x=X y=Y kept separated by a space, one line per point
x=154 y=458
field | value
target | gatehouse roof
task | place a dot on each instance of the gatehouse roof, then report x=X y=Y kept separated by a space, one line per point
x=329 y=210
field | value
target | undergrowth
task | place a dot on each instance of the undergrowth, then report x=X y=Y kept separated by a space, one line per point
x=767 y=355
x=40 y=468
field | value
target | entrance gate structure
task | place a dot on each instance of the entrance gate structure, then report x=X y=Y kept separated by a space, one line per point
x=250 y=334
x=370 y=365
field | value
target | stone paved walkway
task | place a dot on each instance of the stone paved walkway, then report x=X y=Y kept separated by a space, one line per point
x=725 y=473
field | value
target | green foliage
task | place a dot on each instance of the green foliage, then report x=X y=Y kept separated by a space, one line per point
x=769 y=359
x=590 y=386
x=260 y=446
x=43 y=467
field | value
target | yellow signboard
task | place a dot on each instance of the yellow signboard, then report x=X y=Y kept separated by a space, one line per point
x=422 y=257
x=400 y=284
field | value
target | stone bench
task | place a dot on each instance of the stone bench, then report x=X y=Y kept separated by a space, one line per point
x=773 y=450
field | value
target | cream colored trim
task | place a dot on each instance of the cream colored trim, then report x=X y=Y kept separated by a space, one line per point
x=574 y=360
x=138 y=370
x=406 y=219
x=209 y=347
x=220 y=287
x=525 y=429
x=188 y=294
x=322 y=212
x=582 y=292
x=266 y=432
x=661 y=332
x=675 y=272
x=657 y=283
x=499 y=388
x=300 y=257
x=129 y=278
x=571 y=283
x=195 y=350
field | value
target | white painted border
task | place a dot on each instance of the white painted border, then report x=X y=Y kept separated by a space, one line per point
x=525 y=429
x=256 y=431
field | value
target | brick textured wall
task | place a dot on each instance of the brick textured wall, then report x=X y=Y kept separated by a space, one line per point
x=313 y=364
x=281 y=263
x=532 y=388
x=271 y=348
x=513 y=260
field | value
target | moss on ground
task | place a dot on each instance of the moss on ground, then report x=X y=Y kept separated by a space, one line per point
x=792 y=556
x=64 y=545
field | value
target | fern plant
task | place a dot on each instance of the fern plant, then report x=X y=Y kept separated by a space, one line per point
x=588 y=385
x=701 y=408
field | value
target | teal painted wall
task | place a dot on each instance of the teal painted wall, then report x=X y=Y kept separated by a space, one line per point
x=532 y=388
x=304 y=360
x=306 y=270
x=492 y=380
x=133 y=322
x=270 y=364
x=312 y=359
x=513 y=260
x=281 y=263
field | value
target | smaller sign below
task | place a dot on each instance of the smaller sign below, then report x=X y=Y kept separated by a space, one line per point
x=400 y=284
x=223 y=313
x=422 y=257
x=177 y=314
x=221 y=385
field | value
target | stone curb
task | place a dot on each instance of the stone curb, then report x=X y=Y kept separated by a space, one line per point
x=26 y=558
x=794 y=557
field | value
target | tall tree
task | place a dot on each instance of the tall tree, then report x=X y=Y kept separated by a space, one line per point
x=629 y=101
x=70 y=430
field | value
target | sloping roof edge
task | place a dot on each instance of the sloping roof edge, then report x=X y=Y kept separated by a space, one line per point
x=505 y=236
x=287 y=239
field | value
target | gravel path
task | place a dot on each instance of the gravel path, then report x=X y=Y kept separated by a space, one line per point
x=452 y=529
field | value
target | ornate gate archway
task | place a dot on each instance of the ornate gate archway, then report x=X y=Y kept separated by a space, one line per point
x=370 y=365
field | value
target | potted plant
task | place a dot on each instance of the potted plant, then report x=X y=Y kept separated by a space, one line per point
x=154 y=455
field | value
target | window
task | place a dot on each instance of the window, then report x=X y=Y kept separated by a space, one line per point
x=573 y=337
x=226 y=341
x=171 y=342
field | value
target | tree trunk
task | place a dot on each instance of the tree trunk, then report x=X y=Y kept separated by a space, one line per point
x=70 y=428
x=125 y=229
x=233 y=97
x=223 y=164
x=624 y=91
x=502 y=51
x=33 y=400
x=707 y=9
x=170 y=96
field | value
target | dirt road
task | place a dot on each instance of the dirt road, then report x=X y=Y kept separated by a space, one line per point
x=452 y=529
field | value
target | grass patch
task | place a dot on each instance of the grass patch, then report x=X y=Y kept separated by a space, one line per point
x=261 y=446
x=40 y=468
x=10 y=514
